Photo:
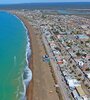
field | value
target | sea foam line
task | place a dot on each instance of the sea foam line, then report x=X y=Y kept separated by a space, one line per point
x=27 y=70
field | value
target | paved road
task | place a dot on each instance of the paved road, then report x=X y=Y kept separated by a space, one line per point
x=58 y=74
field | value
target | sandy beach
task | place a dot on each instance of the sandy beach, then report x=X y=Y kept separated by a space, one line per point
x=42 y=85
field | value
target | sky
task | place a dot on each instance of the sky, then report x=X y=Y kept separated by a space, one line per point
x=37 y=1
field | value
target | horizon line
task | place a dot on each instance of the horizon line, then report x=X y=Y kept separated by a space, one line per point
x=43 y=2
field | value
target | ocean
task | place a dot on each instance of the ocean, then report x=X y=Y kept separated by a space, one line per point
x=64 y=8
x=14 y=52
x=50 y=6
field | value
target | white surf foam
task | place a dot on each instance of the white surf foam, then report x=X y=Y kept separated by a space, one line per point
x=27 y=72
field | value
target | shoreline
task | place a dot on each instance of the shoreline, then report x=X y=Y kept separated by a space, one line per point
x=30 y=60
x=41 y=71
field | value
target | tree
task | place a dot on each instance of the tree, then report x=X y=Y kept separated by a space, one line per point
x=78 y=53
x=88 y=69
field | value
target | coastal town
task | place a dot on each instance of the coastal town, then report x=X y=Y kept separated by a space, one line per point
x=66 y=39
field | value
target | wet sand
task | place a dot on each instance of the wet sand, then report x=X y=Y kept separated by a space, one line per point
x=42 y=85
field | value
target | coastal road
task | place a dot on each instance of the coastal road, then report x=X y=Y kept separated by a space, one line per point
x=58 y=75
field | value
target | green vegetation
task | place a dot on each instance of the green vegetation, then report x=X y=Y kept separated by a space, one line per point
x=78 y=53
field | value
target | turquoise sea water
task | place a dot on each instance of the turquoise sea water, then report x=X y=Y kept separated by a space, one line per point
x=13 y=44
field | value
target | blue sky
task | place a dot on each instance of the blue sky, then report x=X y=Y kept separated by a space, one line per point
x=31 y=1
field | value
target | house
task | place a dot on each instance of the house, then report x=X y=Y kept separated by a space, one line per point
x=81 y=92
x=72 y=82
x=76 y=95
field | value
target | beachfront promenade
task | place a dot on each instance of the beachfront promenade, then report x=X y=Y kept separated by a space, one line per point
x=58 y=75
